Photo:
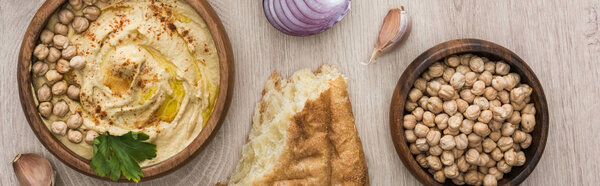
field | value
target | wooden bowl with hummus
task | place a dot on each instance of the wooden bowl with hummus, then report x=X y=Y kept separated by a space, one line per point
x=90 y=69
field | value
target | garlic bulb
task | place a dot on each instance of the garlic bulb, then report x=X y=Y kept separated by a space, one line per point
x=395 y=28
x=33 y=169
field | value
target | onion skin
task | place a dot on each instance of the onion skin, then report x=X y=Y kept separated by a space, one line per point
x=305 y=17
x=33 y=169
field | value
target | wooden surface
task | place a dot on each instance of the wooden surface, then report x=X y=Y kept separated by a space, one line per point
x=222 y=45
x=560 y=40
x=480 y=48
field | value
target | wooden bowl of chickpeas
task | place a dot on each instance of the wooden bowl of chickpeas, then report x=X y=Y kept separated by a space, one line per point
x=469 y=112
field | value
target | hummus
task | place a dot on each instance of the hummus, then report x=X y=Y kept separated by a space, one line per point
x=152 y=67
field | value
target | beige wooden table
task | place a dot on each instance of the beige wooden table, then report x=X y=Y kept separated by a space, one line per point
x=559 y=39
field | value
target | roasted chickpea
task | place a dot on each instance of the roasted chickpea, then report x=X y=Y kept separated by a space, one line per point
x=434 y=162
x=517 y=95
x=481 y=129
x=502 y=68
x=478 y=88
x=410 y=106
x=422 y=145
x=520 y=159
x=418 y=113
x=527 y=122
x=457 y=81
x=462 y=164
x=490 y=67
x=488 y=145
x=465 y=59
x=433 y=137
x=435 y=150
x=421 y=84
x=446 y=92
x=529 y=109
x=452 y=61
x=414 y=95
x=472 y=156
x=467 y=95
x=80 y=24
x=433 y=87
x=73 y=92
x=448 y=73
x=463 y=69
x=525 y=144
x=413 y=149
x=429 y=119
x=410 y=136
x=447 y=158
x=505 y=143
x=490 y=180
x=421 y=130
x=515 y=118
x=483 y=159
x=485 y=116
x=490 y=93
x=467 y=126
x=470 y=78
x=423 y=102
x=462 y=105
x=461 y=141
x=474 y=140
x=455 y=121
x=486 y=77
x=409 y=121
x=436 y=70
x=495 y=136
x=439 y=176
x=434 y=104
x=476 y=64
x=482 y=102
x=472 y=112
x=510 y=157
x=422 y=160
x=451 y=171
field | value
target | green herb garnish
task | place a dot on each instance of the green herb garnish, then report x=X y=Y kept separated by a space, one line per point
x=114 y=155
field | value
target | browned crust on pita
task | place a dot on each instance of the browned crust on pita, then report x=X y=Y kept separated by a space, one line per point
x=323 y=146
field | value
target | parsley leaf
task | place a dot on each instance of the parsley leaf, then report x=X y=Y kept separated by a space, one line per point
x=114 y=155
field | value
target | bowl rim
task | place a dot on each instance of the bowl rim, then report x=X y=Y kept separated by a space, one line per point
x=28 y=103
x=460 y=46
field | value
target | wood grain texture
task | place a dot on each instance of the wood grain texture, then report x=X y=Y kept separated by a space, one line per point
x=560 y=41
x=480 y=48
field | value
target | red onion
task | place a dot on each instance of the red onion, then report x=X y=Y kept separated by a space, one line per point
x=305 y=17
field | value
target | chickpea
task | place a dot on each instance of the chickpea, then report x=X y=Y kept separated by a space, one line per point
x=60 y=41
x=516 y=147
x=495 y=103
x=65 y=16
x=414 y=95
x=474 y=140
x=89 y=136
x=41 y=51
x=472 y=112
x=486 y=77
x=472 y=156
x=490 y=180
x=435 y=150
x=421 y=130
x=483 y=170
x=500 y=113
x=410 y=106
x=436 y=70
x=502 y=68
x=490 y=93
x=515 y=118
x=59 y=88
x=505 y=143
x=446 y=92
x=76 y=4
x=483 y=159
x=439 y=176
x=447 y=142
x=481 y=129
x=472 y=177
x=450 y=131
x=527 y=122
x=422 y=160
x=429 y=119
x=467 y=95
x=421 y=84
x=462 y=164
x=460 y=180
x=496 y=173
x=470 y=78
x=434 y=162
x=44 y=93
x=39 y=68
x=410 y=136
x=529 y=109
x=518 y=106
x=465 y=59
x=478 y=88
x=455 y=121
x=495 y=126
x=457 y=81
x=89 y=2
x=450 y=107
x=91 y=12
x=481 y=102
x=499 y=83
x=69 y=52
x=517 y=95
x=525 y=144
x=409 y=121
x=520 y=159
x=46 y=36
x=423 y=102
x=488 y=145
x=495 y=136
x=497 y=154
x=59 y=128
x=490 y=67
x=433 y=88
x=476 y=64
x=60 y=29
x=467 y=126
x=461 y=141
x=510 y=157
x=462 y=105
x=451 y=171
x=502 y=166
x=452 y=61
x=62 y=66
x=485 y=116
x=413 y=149
x=53 y=55
x=74 y=136
x=434 y=104
x=60 y=109
x=80 y=24
x=433 y=137
x=463 y=69
x=508 y=129
x=491 y=162
x=45 y=109
x=74 y=121
x=448 y=73
x=73 y=92
x=447 y=158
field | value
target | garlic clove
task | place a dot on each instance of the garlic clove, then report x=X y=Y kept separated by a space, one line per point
x=395 y=29
x=33 y=169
